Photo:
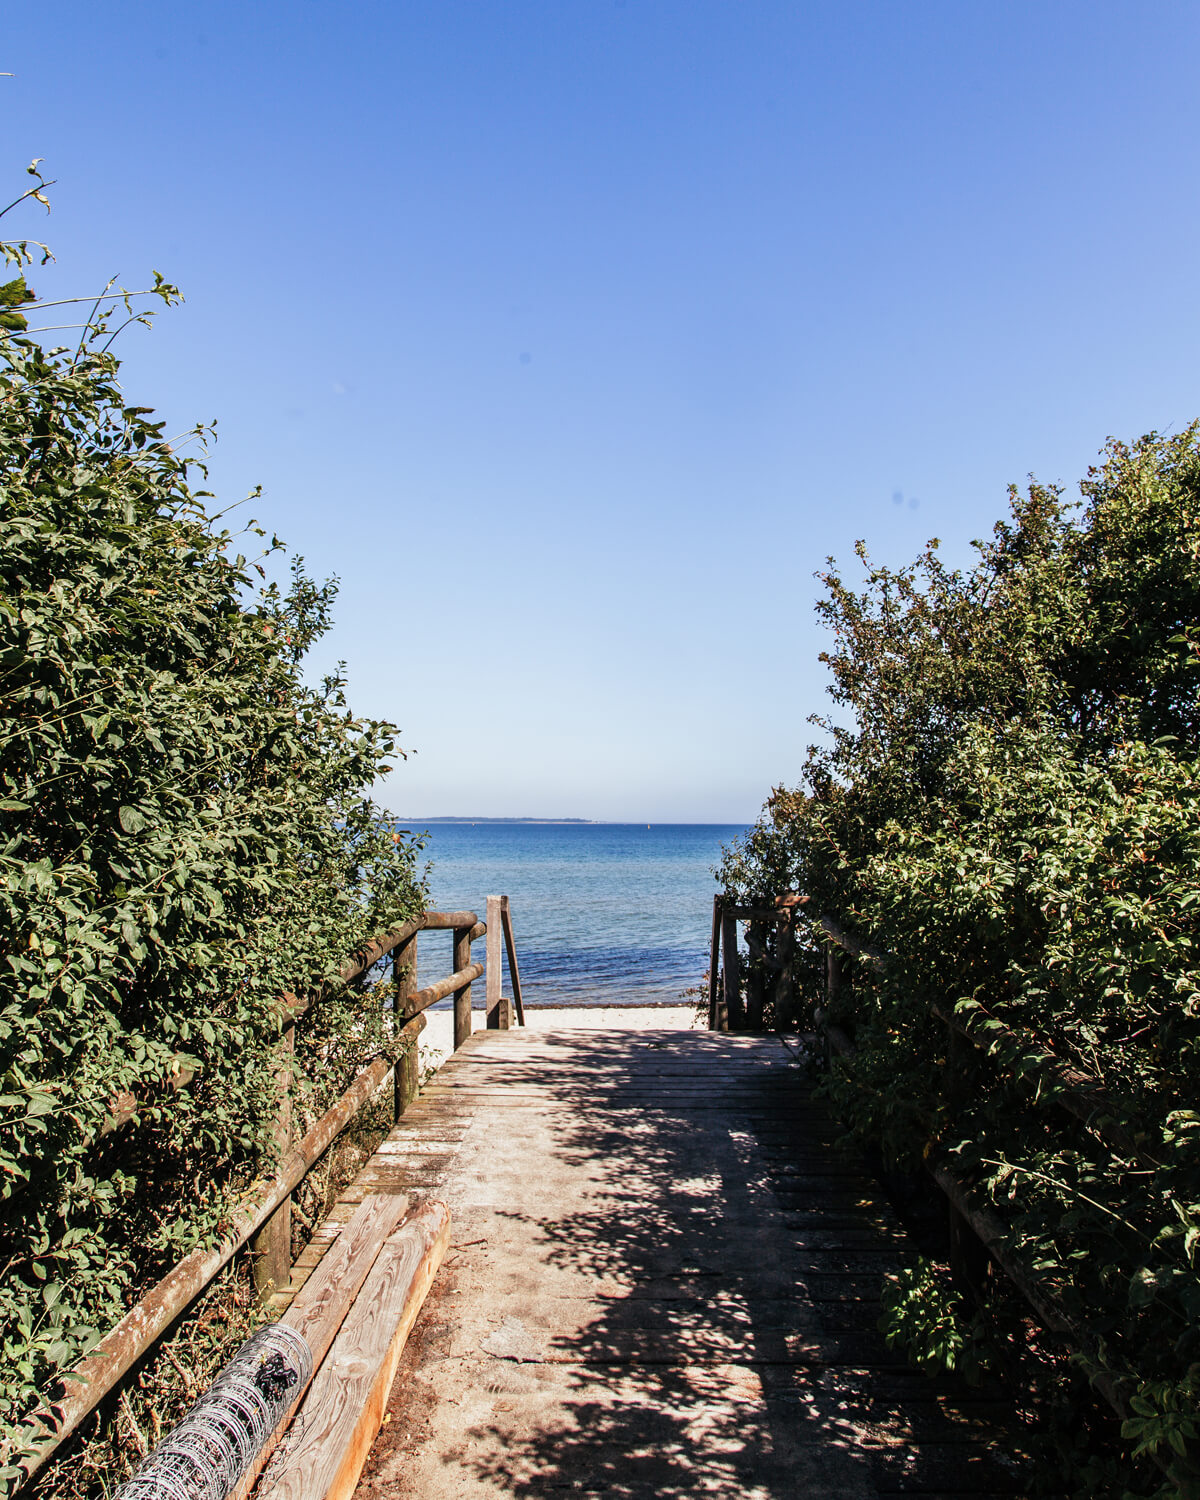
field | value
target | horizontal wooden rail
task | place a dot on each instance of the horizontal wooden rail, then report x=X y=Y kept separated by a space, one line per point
x=423 y=999
x=1077 y=1092
x=124 y=1106
x=725 y=1006
x=1073 y=1090
x=994 y=1235
x=370 y=954
x=96 y=1375
x=855 y=946
x=99 y=1372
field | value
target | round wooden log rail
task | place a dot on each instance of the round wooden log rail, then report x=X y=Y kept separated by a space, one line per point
x=423 y=999
x=994 y=1235
x=360 y=961
x=122 y=1107
x=1074 y=1091
x=97 y=1374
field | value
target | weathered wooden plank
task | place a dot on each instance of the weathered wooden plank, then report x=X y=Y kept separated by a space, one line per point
x=404 y=979
x=345 y=1404
x=610 y=1255
x=320 y=1306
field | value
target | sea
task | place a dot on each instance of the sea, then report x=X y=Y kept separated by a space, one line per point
x=602 y=913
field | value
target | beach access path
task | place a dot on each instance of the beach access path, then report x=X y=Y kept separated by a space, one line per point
x=663 y=1281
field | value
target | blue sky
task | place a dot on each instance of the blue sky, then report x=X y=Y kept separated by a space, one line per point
x=573 y=336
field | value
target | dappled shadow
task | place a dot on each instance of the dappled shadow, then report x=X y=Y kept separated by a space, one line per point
x=733 y=1257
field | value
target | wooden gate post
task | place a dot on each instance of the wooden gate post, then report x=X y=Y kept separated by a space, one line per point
x=833 y=983
x=718 y=1019
x=785 y=999
x=462 y=998
x=734 y=1018
x=271 y=1247
x=406 y=1076
x=498 y=1018
x=756 y=938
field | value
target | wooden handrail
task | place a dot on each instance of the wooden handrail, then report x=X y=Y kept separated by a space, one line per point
x=499 y=930
x=101 y=1371
x=423 y=999
x=123 y=1106
x=1073 y=1090
x=1077 y=1092
x=725 y=1008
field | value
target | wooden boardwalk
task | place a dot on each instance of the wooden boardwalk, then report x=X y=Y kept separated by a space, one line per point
x=663 y=1282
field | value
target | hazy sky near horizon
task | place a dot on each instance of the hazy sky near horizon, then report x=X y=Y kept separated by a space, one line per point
x=574 y=336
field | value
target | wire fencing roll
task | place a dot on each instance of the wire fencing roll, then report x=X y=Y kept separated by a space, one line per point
x=206 y=1455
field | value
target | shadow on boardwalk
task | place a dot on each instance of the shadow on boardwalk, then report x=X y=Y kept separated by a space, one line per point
x=701 y=1317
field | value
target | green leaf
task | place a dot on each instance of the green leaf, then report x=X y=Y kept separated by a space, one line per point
x=131 y=819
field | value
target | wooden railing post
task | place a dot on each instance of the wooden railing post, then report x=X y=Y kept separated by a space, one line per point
x=407 y=1074
x=462 y=998
x=498 y=1018
x=271 y=1246
x=756 y=941
x=718 y=1019
x=833 y=984
x=731 y=985
x=786 y=1007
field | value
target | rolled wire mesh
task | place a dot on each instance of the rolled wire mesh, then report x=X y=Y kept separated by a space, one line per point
x=205 y=1456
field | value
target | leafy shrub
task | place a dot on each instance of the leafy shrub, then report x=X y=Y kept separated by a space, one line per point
x=186 y=835
x=1012 y=813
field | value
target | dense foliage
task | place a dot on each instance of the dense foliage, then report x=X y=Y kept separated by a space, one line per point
x=1010 y=811
x=186 y=834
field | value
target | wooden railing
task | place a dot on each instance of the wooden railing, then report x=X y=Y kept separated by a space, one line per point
x=737 y=1006
x=977 y=1234
x=262 y=1219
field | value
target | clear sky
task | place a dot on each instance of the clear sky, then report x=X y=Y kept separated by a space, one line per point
x=573 y=336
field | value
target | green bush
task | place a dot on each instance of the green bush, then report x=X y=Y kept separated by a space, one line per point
x=1011 y=811
x=186 y=834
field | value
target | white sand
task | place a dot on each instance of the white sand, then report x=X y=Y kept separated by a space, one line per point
x=437 y=1039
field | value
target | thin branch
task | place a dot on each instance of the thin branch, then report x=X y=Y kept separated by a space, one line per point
x=30 y=193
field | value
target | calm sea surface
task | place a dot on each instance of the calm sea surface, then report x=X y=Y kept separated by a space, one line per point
x=603 y=914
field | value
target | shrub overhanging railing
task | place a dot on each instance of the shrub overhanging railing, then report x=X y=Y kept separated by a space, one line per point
x=260 y=1217
x=980 y=1235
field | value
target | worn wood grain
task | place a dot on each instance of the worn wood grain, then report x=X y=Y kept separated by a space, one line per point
x=497 y=1015
x=717 y=1019
x=462 y=997
x=664 y=1282
x=319 y=1308
x=345 y=1404
x=731 y=984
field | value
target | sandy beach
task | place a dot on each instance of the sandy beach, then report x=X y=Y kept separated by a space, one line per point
x=438 y=1037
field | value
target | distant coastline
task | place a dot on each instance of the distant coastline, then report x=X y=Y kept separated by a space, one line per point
x=422 y=822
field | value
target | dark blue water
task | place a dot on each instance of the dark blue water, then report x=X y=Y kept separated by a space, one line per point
x=604 y=914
